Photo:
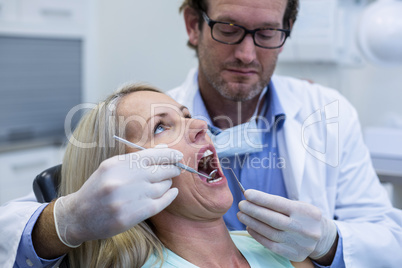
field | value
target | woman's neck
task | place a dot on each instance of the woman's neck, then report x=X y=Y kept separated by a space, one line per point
x=203 y=243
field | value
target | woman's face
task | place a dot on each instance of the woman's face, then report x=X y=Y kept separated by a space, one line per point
x=154 y=118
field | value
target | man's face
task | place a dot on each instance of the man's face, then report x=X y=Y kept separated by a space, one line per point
x=238 y=72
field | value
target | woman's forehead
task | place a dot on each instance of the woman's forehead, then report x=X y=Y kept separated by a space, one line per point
x=145 y=103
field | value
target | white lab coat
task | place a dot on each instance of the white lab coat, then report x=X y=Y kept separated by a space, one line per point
x=329 y=166
x=13 y=218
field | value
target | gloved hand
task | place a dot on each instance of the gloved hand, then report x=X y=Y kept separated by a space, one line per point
x=292 y=229
x=117 y=196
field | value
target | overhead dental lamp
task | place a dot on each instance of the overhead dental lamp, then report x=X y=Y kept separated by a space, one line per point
x=380 y=33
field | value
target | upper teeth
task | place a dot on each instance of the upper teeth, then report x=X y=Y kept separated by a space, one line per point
x=206 y=157
x=207 y=153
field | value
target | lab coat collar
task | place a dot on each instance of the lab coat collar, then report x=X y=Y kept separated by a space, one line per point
x=290 y=104
x=185 y=93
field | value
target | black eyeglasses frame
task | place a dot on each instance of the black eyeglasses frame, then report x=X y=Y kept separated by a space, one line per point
x=211 y=23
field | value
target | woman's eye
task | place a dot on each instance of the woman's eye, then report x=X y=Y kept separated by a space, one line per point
x=159 y=129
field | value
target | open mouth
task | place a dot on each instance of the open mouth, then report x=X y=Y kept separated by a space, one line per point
x=208 y=165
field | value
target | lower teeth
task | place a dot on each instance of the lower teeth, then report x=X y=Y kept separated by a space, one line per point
x=214 y=180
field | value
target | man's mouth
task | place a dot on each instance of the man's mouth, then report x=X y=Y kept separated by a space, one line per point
x=243 y=71
x=208 y=165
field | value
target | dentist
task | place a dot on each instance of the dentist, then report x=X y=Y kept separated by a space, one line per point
x=297 y=146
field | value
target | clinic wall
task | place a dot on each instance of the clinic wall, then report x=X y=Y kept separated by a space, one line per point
x=375 y=92
x=136 y=41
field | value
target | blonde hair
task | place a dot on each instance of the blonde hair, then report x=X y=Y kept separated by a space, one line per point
x=128 y=249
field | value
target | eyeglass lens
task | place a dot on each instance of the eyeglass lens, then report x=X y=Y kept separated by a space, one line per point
x=231 y=34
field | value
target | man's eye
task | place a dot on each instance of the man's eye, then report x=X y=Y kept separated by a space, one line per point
x=230 y=32
x=159 y=129
x=266 y=34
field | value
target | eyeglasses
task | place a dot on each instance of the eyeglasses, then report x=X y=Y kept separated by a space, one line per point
x=232 y=34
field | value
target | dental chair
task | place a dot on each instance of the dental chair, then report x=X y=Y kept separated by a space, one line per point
x=46 y=184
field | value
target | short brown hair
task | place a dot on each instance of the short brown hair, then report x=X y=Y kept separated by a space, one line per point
x=199 y=6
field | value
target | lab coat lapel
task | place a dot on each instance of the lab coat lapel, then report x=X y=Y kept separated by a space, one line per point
x=291 y=149
x=290 y=140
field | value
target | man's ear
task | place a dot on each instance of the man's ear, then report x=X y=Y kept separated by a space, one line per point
x=192 y=20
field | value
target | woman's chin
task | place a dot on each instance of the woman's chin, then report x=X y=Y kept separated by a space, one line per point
x=222 y=205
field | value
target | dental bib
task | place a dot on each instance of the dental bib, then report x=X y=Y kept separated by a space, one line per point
x=238 y=140
x=242 y=139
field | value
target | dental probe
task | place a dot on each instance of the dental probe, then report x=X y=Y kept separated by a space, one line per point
x=238 y=182
x=180 y=165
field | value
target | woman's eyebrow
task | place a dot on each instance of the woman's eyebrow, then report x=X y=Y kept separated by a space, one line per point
x=164 y=114
x=160 y=115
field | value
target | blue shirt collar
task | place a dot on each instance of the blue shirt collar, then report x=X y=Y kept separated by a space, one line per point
x=275 y=108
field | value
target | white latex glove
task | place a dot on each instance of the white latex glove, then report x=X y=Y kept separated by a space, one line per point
x=118 y=195
x=292 y=229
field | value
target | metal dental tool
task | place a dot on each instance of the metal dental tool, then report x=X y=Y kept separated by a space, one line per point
x=180 y=165
x=238 y=182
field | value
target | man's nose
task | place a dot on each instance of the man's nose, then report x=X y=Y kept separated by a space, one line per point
x=197 y=130
x=245 y=51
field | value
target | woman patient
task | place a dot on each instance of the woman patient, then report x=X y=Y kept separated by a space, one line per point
x=191 y=231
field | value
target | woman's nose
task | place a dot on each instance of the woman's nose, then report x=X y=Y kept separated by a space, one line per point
x=197 y=130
